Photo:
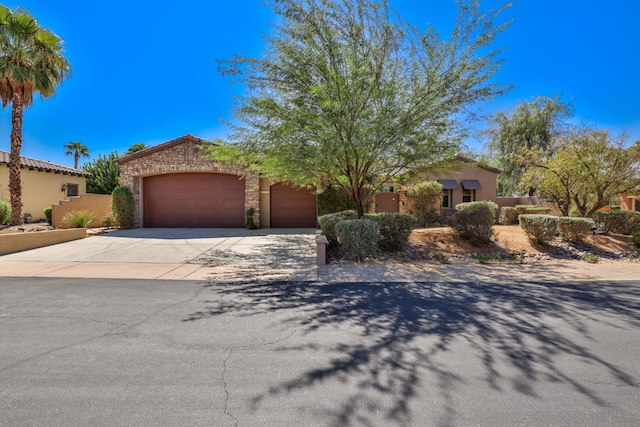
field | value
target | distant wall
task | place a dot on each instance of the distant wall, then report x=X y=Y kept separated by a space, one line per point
x=98 y=204
x=514 y=201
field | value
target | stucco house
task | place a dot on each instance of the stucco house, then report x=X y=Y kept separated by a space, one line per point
x=630 y=201
x=43 y=184
x=469 y=181
x=175 y=184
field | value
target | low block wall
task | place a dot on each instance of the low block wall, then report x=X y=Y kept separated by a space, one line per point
x=18 y=242
x=98 y=204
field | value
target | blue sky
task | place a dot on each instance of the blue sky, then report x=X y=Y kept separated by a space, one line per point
x=143 y=72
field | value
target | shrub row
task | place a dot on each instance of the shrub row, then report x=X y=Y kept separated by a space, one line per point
x=474 y=221
x=532 y=210
x=618 y=221
x=544 y=228
x=392 y=231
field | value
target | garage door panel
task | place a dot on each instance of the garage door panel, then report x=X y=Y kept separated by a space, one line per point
x=193 y=200
x=292 y=207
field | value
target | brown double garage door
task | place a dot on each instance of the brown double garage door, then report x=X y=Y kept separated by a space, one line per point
x=218 y=200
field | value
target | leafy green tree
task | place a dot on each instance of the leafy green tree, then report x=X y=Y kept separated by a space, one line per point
x=135 y=148
x=31 y=62
x=76 y=149
x=105 y=174
x=345 y=90
x=587 y=168
x=530 y=126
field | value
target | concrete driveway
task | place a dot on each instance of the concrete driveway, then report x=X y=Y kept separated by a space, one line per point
x=147 y=253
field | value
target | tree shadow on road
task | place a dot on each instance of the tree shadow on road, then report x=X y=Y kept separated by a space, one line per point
x=519 y=332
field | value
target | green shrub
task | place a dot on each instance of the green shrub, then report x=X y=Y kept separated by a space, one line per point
x=394 y=229
x=574 y=229
x=591 y=258
x=440 y=257
x=426 y=197
x=122 y=207
x=334 y=199
x=250 y=223
x=508 y=216
x=109 y=220
x=78 y=219
x=5 y=212
x=539 y=228
x=635 y=238
x=618 y=221
x=47 y=214
x=328 y=224
x=474 y=222
x=358 y=238
x=532 y=210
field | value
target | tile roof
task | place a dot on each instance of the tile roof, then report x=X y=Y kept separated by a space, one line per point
x=142 y=153
x=41 y=165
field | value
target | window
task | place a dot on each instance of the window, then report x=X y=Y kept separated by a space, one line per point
x=468 y=196
x=446 y=199
x=72 y=190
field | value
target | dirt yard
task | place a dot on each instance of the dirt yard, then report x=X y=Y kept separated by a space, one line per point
x=508 y=238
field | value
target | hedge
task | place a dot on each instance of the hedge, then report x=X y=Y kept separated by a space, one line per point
x=539 y=228
x=508 y=216
x=358 y=238
x=474 y=221
x=532 y=210
x=574 y=229
x=394 y=229
x=618 y=221
x=328 y=224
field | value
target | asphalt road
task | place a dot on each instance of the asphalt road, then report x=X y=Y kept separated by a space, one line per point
x=442 y=353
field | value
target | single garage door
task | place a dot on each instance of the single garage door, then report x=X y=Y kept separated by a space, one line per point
x=193 y=200
x=292 y=207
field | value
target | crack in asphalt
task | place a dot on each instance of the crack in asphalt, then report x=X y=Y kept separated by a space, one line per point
x=224 y=370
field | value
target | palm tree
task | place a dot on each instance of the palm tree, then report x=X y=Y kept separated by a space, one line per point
x=31 y=61
x=76 y=149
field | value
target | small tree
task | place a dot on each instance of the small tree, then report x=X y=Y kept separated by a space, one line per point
x=122 y=205
x=105 y=174
x=426 y=197
x=345 y=90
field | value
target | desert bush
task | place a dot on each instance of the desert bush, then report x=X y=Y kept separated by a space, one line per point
x=334 y=199
x=635 y=238
x=250 y=224
x=474 y=222
x=532 y=210
x=539 y=228
x=358 y=238
x=618 y=221
x=78 y=219
x=574 y=229
x=591 y=258
x=122 y=207
x=508 y=216
x=328 y=224
x=47 y=214
x=394 y=229
x=5 y=212
x=109 y=220
x=426 y=197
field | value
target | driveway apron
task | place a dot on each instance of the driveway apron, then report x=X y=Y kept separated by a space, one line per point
x=181 y=252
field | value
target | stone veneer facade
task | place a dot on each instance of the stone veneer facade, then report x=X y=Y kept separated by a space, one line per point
x=180 y=155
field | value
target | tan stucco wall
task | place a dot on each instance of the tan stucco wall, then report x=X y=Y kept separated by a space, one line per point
x=98 y=204
x=488 y=181
x=628 y=201
x=265 y=202
x=182 y=158
x=17 y=242
x=40 y=189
